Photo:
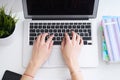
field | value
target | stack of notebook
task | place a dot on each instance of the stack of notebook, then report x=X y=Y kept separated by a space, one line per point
x=111 y=39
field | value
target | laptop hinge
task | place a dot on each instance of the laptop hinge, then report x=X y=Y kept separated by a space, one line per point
x=60 y=19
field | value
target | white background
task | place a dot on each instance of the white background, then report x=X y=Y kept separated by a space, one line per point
x=11 y=55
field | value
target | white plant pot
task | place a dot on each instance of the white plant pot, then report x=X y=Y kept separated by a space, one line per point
x=8 y=40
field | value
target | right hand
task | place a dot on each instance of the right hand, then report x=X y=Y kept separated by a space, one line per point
x=71 y=49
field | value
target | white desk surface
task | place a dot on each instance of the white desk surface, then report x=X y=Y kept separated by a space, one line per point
x=11 y=55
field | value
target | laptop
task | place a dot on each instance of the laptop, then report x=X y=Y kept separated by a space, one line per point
x=57 y=17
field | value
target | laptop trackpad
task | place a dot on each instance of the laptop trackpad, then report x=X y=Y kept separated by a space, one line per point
x=56 y=59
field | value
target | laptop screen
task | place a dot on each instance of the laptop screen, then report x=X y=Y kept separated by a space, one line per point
x=59 y=7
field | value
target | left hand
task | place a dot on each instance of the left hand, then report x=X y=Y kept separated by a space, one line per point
x=41 y=49
x=41 y=52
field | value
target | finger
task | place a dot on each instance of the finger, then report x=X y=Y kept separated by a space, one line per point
x=50 y=39
x=63 y=43
x=51 y=45
x=38 y=38
x=67 y=38
x=34 y=44
x=81 y=41
x=78 y=39
x=73 y=36
x=43 y=37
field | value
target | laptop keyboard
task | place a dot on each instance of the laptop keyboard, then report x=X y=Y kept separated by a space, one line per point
x=58 y=29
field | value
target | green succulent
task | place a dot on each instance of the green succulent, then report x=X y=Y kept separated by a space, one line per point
x=7 y=23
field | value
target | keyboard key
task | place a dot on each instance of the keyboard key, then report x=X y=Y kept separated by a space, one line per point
x=71 y=23
x=86 y=34
x=72 y=30
x=46 y=30
x=76 y=30
x=35 y=26
x=80 y=30
x=75 y=23
x=65 y=27
x=37 y=30
x=32 y=30
x=85 y=42
x=61 y=26
x=81 y=34
x=48 y=27
x=69 y=26
x=88 y=23
x=66 y=23
x=84 y=30
x=56 y=34
x=44 y=26
x=57 y=27
x=32 y=34
x=88 y=26
x=74 y=26
x=59 y=30
x=42 y=30
x=78 y=26
x=52 y=27
x=62 y=23
x=50 y=34
x=82 y=26
x=31 y=26
x=31 y=42
x=87 y=38
x=63 y=30
x=58 y=38
x=31 y=38
x=58 y=24
x=49 y=23
x=40 y=27
x=89 y=33
x=67 y=30
x=50 y=30
x=40 y=24
x=55 y=30
x=57 y=43
x=60 y=34
x=36 y=23
x=84 y=23
x=89 y=30
x=53 y=23
x=89 y=43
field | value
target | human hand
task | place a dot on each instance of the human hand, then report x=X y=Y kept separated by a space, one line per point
x=41 y=52
x=71 y=49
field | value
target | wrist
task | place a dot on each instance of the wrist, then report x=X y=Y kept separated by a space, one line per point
x=74 y=67
x=31 y=68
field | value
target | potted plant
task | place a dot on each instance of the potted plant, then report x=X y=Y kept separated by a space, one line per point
x=7 y=26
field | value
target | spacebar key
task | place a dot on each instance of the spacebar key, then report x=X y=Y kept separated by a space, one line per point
x=57 y=43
